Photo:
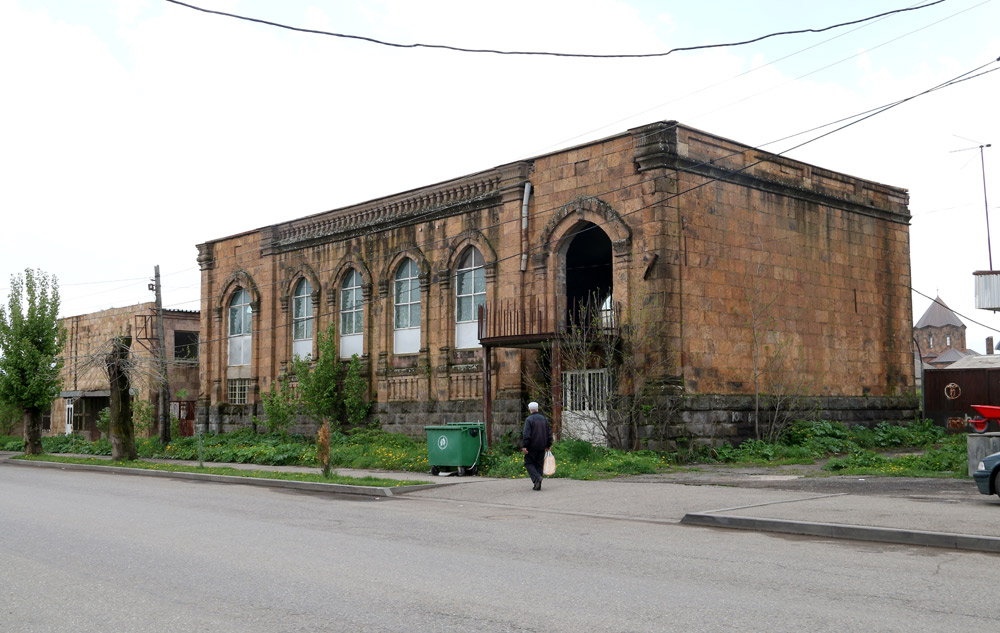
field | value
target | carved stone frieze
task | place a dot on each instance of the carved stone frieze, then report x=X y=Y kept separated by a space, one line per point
x=451 y=198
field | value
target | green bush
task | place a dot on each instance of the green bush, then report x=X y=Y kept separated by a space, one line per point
x=577 y=450
x=949 y=457
x=75 y=444
x=11 y=443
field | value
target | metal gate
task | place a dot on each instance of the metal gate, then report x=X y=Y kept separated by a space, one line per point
x=585 y=405
x=183 y=412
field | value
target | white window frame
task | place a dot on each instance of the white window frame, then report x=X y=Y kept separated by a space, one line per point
x=302 y=320
x=470 y=293
x=240 y=328
x=69 y=416
x=406 y=308
x=352 y=315
x=237 y=390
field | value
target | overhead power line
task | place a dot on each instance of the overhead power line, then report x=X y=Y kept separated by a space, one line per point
x=968 y=318
x=491 y=51
x=857 y=118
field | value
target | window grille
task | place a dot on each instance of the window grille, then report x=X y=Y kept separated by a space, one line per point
x=238 y=390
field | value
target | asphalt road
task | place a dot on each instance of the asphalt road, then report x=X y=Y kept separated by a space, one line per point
x=89 y=552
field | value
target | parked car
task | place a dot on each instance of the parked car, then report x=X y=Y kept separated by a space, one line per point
x=987 y=475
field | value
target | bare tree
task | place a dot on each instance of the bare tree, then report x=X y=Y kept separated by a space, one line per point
x=779 y=383
x=124 y=371
x=618 y=382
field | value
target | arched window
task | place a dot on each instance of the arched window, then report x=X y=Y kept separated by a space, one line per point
x=470 y=293
x=352 y=316
x=302 y=320
x=240 y=338
x=406 y=315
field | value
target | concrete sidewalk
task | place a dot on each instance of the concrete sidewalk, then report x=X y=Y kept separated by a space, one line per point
x=967 y=521
x=953 y=516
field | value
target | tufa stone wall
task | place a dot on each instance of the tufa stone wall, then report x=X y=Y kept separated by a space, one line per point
x=709 y=231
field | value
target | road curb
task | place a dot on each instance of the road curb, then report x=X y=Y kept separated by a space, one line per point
x=312 y=486
x=849 y=532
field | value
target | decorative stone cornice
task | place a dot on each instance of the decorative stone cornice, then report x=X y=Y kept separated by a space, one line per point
x=206 y=256
x=446 y=199
x=655 y=145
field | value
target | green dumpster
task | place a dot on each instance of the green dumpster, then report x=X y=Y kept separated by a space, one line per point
x=455 y=446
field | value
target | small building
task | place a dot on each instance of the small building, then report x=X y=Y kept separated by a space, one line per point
x=951 y=391
x=764 y=274
x=85 y=389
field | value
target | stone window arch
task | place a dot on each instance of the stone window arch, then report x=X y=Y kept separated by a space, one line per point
x=240 y=328
x=351 y=311
x=470 y=294
x=303 y=328
x=406 y=314
x=586 y=218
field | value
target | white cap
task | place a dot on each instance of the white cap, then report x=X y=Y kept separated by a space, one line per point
x=532 y=406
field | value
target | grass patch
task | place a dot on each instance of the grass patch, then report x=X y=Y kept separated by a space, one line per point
x=853 y=450
x=225 y=470
x=577 y=460
x=949 y=458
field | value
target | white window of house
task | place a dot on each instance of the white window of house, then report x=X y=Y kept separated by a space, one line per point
x=406 y=316
x=947 y=340
x=240 y=337
x=352 y=316
x=470 y=293
x=302 y=320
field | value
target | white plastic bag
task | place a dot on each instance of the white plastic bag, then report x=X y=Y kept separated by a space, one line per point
x=549 y=466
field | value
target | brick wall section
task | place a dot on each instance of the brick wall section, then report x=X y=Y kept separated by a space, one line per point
x=695 y=222
x=823 y=257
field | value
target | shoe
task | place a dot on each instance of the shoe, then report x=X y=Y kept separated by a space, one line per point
x=538 y=485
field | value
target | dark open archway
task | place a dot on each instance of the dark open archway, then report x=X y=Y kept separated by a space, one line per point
x=589 y=271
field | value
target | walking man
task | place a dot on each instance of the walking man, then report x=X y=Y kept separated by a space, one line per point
x=535 y=440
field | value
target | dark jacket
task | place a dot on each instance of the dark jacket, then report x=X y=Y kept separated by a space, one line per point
x=537 y=434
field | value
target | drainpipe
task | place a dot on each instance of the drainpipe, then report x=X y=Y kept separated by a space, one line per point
x=524 y=226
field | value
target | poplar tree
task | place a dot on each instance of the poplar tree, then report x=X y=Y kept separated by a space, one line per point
x=31 y=340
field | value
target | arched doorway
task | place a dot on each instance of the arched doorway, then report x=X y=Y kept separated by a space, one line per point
x=589 y=272
x=585 y=380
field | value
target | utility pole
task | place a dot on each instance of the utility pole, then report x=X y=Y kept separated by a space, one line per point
x=986 y=205
x=982 y=164
x=164 y=412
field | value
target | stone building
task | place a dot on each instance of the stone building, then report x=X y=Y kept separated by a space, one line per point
x=85 y=388
x=940 y=336
x=751 y=260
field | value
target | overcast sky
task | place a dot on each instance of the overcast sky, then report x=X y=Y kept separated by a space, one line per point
x=135 y=129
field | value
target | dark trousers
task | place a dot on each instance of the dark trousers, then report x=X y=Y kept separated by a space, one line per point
x=533 y=462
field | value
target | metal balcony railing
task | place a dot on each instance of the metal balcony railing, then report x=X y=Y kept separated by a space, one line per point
x=511 y=323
